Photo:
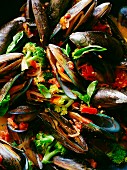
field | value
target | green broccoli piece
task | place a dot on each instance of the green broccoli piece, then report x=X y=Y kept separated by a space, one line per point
x=47 y=75
x=118 y=154
x=34 y=52
x=48 y=146
x=62 y=103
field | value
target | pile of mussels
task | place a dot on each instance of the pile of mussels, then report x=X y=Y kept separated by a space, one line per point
x=63 y=73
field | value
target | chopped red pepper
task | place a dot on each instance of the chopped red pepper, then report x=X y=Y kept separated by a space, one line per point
x=87 y=109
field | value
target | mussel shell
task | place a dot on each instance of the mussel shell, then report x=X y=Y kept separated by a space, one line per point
x=23 y=110
x=24 y=113
x=8 y=31
x=109 y=98
x=70 y=164
x=105 y=122
x=12 y=158
x=114 y=48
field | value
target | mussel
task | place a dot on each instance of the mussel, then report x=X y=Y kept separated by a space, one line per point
x=12 y=158
x=10 y=62
x=8 y=31
x=74 y=17
x=57 y=9
x=70 y=164
x=114 y=52
x=25 y=114
x=109 y=98
x=56 y=128
x=56 y=55
x=41 y=21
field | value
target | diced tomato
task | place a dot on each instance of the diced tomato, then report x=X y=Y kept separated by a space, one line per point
x=121 y=79
x=23 y=126
x=33 y=64
x=87 y=72
x=89 y=110
x=4 y=135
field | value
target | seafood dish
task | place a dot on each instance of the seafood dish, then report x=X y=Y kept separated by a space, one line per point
x=63 y=88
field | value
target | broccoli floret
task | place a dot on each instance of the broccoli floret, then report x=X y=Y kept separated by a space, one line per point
x=48 y=146
x=61 y=109
x=61 y=103
x=33 y=52
x=47 y=75
x=118 y=154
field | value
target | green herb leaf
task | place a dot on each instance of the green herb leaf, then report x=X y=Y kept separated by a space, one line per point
x=4 y=105
x=91 y=88
x=90 y=91
x=79 y=52
x=15 y=42
x=67 y=50
x=44 y=90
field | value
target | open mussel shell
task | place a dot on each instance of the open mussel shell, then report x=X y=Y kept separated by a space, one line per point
x=79 y=14
x=7 y=32
x=58 y=132
x=57 y=54
x=12 y=158
x=23 y=114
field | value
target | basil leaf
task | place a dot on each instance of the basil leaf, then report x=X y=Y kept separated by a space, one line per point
x=91 y=88
x=82 y=97
x=44 y=90
x=4 y=105
x=86 y=99
x=79 y=52
x=15 y=42
x=67 y=50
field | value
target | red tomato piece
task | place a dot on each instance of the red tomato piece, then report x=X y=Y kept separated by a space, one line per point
x=87 y=72
x=33 y=64
x=23 y=126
